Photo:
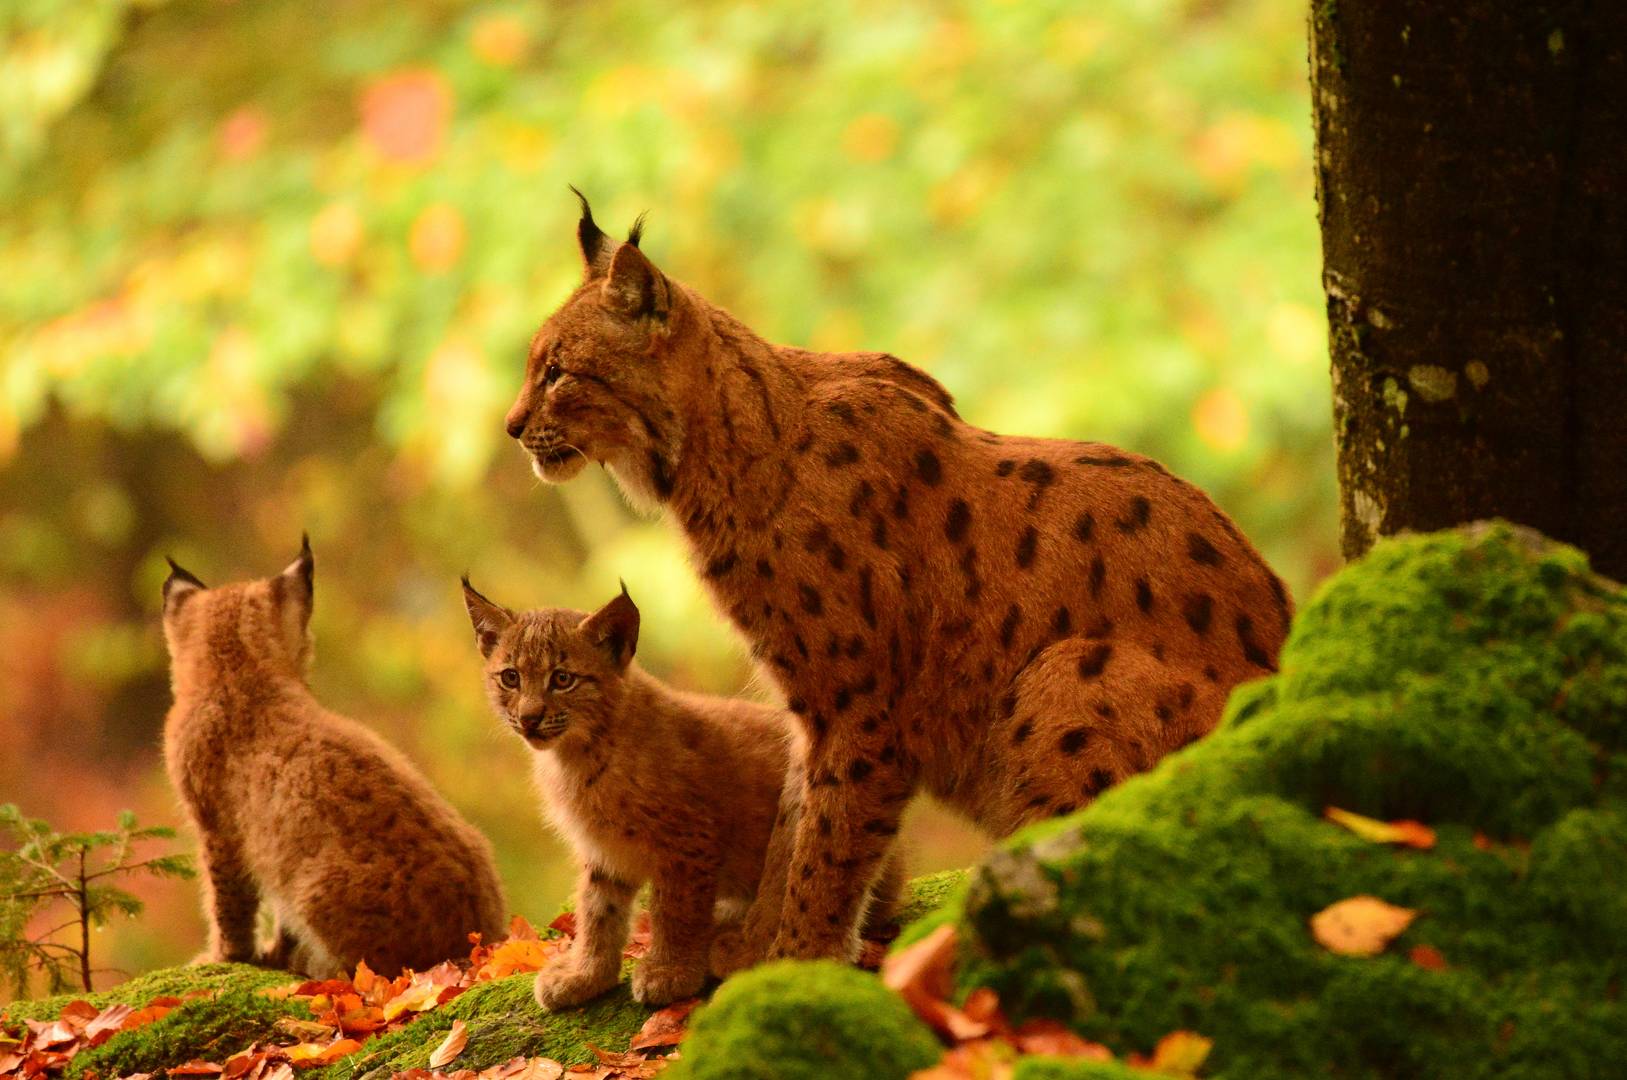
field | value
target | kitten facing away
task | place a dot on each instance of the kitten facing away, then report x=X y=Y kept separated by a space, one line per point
x=301 y=809
x=646 y=783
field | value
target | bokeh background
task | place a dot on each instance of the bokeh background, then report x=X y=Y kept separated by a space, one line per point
x=271 y=266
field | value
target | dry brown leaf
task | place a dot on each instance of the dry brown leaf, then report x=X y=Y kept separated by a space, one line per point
x=195 y=1068
x=1057 y=1040
x=1360 y=926
x=666 y=1027
x=451 y=1046
x=924 y=967
x=1180 y=1053
x=1427 y=957
x=1413 y=834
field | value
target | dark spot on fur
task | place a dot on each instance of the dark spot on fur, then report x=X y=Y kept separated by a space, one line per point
x=929 y=468
x=1008 y=705
x=1163 y=712
x=1252 y=651
x=855 y=647
x=722 y=565
x=844 y=698
x=1098 y=575
x=1110 y=461
x=765 y=570
x=802 y=646
x=804 y=443
x=1211 y=673
x=836 y=556
x=1026 y=546
x=878 y=531
x=1184 y=695
x=812 y=602
x=958 y=521
x=797 y=705
x=880 y=827
x=1143 y=595
x=1202 y=551
x=1073 y=740
x=901 y=503
x=1085 y=527
x=867 y=601
x=1094 y=660
x=860 y=769
x=1005 y=467
x=968 y=566
x=1041 y=475
x=1062 y=623
x=1024 y=729
x=818 y=537
x=861 y=498
x=843 y=412
x=1100 y=780
x=1008 y=625
x=1198 y=610
x=1135 y=516
x=844 y=454
x=1106 y=711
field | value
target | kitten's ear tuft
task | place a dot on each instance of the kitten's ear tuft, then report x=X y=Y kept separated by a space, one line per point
x=180 y=584
x=634 y=288
x=301 y=573
x=488 y=619
x=592 y=241
x=636 y=233
x=614 y=629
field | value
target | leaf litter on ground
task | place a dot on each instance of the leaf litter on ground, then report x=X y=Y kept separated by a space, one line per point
x=982 y=1044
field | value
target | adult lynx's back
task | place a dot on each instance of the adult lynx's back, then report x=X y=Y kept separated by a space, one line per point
x=1012 y=623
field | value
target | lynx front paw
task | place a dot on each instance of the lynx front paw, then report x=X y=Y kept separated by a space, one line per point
x=563 y=986
x=662 y=984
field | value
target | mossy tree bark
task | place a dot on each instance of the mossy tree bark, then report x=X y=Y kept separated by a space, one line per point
x=1472 y=182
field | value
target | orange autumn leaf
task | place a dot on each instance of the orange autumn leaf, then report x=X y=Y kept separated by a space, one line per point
x=666 y=1027
x=985 y=1060
x=451 y=1046
x=311 y=1054
x=416 y=998
x=1427 y=957
x=1359 y=926
x=1180 y=1053
x=1413 y=834
x=195 y=1068
x=1055 y=1040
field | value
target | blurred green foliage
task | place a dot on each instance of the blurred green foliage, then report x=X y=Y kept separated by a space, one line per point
x=271 y=266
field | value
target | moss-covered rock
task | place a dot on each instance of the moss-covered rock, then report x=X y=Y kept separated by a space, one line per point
x=1473 y=679
x=805 y=1021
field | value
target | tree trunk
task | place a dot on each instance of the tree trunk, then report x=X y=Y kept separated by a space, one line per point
x=1472 y=183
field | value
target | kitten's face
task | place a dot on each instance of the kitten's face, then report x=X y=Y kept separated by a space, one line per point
x=554 y=676
x=265 y=622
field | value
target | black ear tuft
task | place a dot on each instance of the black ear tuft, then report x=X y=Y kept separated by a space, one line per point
x=636 y=233
x=180 y=580
x=590 y=237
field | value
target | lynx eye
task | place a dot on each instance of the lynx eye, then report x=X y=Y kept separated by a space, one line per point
x=561 y=680
x=510 y=678
x=551 y=374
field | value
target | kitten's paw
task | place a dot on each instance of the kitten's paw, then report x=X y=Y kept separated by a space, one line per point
x=733 y=950
x=662 y=984
x=563 y=986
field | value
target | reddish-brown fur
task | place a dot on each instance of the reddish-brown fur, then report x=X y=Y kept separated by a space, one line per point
x=1011 y=623
x=648 y=784
x=301 y=809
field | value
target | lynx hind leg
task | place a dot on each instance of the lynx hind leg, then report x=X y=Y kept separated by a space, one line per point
x=1085 y=714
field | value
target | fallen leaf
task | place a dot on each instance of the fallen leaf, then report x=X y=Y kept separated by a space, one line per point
x=924 y=967
x=78 y=1010
x=195 y=1068
x=1359 y=926
x=666 y=1027
x=1180 y=1053
x=1057 y=1040
x=972 y=1061
x=318 y=1054
x=108 y=1023
x=451 y=1047
x=1410 y=833
x=564 y=922
x=416 y=998
x=1427 y=957
x=365 y=978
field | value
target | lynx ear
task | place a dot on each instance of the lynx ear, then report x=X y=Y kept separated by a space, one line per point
x=180 y=584
x=614 y=629
x=634 y=287
x=488 y=619
x=295 y=587
x=595 y=245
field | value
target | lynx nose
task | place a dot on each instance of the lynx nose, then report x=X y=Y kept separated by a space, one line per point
x=516 y=419
x=530 y=722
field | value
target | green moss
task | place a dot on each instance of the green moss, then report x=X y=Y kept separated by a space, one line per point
x=208 y=1028
x=166 y=982
x=503 y=1021
x=805 y=1021
x=1475 y=680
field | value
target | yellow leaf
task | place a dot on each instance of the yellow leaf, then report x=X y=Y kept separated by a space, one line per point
x=451 y=1047
x=415 y=998
x=1411 y=833
x=1180 y=1053
x=1359 y=926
